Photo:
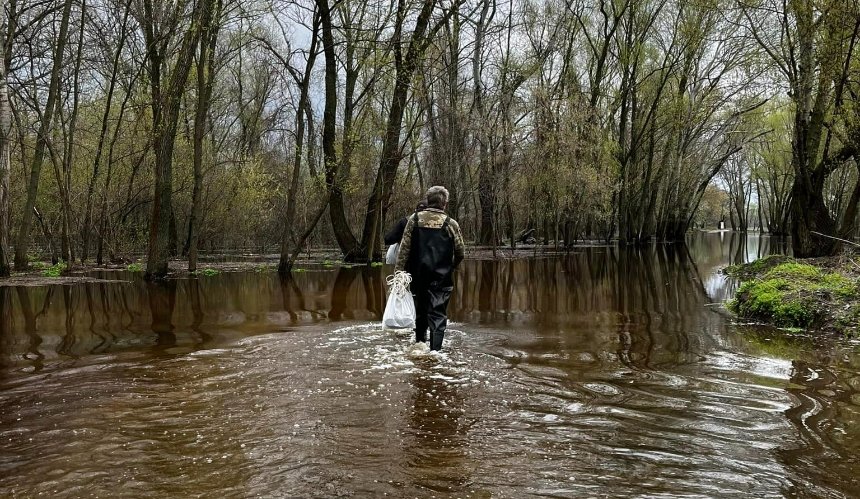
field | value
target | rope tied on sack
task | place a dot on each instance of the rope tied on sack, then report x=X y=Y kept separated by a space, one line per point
x=399 y=283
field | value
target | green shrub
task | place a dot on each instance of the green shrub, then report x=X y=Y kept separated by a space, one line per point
x=135 y=267
x=206 y=272
x=56 y=270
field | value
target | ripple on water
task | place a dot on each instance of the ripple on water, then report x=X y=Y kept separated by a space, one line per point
x=363 y=411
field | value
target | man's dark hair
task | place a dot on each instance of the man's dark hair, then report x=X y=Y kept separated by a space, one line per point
x=437 y=197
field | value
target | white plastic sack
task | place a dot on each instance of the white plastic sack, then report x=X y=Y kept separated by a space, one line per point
x=400 y=308
x=391 y=255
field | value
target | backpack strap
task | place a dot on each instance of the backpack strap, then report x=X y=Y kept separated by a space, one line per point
x=445 y=224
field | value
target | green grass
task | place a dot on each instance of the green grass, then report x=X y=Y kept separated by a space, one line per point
x=55 y=270
x=135 y=267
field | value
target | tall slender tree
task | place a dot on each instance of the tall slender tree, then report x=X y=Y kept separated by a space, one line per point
x=166 y=93
x=45 y=126
x=5 y=155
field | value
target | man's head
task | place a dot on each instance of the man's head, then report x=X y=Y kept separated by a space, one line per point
x=437 y=197
x=422 y=205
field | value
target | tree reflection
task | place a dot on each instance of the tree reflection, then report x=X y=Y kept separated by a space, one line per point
x=162 y=302
x=374 y=290
x=30 y=330
x=340 y=296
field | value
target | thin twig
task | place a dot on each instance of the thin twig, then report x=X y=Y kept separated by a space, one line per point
x=836 y=238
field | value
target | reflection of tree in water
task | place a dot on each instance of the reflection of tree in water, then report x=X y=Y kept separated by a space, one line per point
x=646 y=300
x=437 y=435
x=195 y=295
x=18 y=342
x=374 y=290
x=162 y=302
x=26 y=345
x=290 y=288
x=347 y=299
x=340 y=303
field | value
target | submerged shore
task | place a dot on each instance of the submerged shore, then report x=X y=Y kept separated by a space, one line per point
x=818 y=294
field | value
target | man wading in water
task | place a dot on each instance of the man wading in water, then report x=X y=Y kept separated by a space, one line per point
x=431 y=249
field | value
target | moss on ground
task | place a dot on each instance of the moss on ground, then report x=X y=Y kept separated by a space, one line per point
x=794 y=294
x=745 y=271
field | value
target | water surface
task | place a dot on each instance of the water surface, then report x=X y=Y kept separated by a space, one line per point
x=604 y=372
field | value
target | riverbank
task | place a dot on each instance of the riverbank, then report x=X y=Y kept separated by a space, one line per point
x=819 y=294
x=43 y=273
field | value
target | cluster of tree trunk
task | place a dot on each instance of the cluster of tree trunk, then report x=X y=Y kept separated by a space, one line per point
x=168 y=128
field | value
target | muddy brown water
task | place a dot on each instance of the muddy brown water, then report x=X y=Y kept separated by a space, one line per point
x=606 y=373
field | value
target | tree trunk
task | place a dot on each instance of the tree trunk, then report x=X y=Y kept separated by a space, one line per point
x=5 y=163
x=23 y=240
x=345 y=240
x=377 y=204
x=69 y=149
x=108 y=176
x=286 y=260
x=87 y=228
x=808 y=215
x=486 y=195
x=165 y=115
x=210 y=24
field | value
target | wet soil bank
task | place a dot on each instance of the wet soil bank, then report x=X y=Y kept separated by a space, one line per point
x=817 y=294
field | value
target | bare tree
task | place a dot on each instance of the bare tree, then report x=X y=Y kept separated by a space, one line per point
x=158 y=21
x=23 y=240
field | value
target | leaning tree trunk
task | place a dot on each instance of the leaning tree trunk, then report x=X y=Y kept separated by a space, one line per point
x=380 y=196
x=286 y=260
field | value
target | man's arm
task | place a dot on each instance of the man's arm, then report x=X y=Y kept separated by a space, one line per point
x=459 y=244
x=405 y=246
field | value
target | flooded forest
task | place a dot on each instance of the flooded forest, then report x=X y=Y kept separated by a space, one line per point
x=158 y=130
x=193 y=201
